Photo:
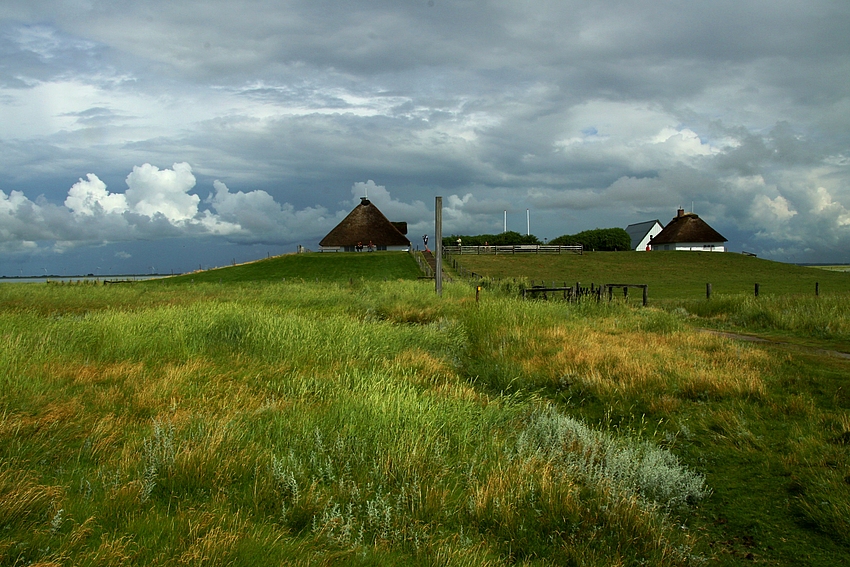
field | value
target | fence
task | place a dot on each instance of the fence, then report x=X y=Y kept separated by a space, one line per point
x=576 y=293
x=424 y=266
x=514 y=249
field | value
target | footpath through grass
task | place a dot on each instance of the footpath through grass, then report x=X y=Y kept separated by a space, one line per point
x=374 y=423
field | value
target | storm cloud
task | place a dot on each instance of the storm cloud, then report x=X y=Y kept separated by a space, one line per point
x=260 y=124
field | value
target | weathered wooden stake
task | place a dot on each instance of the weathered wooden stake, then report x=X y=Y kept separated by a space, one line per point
x=817 y=289
x=708 y=291
x=438 y=236
x=645 y=295
x=757 y=290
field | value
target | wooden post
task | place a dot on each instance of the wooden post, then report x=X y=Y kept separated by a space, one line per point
x=708 y=291
x=625 y=292
x=645 y=294
x=817 y=289
x=757 y=290
x=610 y=293
x=438 y=236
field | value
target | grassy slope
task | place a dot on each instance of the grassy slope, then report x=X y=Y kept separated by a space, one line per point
x=670 y=275
x=260 y=423
x=678 y=280
x=774 y=454
x=325 y=267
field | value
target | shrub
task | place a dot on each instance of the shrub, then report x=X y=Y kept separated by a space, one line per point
x=636 y=468
x=509 y=238
x=600 y=239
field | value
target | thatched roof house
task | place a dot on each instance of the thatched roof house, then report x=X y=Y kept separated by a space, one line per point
x=363 y=225
x=688 y=232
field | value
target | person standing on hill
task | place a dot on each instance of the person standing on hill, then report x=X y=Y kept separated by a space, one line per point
x=425 y=240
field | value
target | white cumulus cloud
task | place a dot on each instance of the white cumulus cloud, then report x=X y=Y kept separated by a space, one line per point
x=151 y=191
x=158 y=203
x=90 y=197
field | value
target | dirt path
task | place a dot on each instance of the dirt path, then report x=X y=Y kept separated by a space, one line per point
x=754 y=339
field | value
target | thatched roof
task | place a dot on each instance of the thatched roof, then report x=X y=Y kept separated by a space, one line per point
x=365 y=224
x=686 y=227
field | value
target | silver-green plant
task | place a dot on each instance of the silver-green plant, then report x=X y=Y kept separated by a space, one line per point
x=159 y=451
x=635 y=467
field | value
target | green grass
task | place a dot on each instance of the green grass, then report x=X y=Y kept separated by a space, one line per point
x=373 y=423
x=670 y=275
x=324 y=267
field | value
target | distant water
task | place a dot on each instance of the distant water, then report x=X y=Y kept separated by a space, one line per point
x=133 y=278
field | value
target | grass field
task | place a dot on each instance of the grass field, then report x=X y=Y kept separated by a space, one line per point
x=311 y=267
x=670 y=275
x=368 y=422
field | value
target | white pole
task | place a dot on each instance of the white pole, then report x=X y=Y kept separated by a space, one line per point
x=506 y=222
x=527 y=223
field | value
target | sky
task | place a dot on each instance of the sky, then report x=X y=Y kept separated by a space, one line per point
x=161 y=136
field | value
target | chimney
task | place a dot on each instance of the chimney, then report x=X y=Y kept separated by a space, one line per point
x=680 y=213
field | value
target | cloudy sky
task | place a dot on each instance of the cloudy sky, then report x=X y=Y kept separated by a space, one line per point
x=162 y=136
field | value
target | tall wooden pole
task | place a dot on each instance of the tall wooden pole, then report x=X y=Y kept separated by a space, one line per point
x=438 y=249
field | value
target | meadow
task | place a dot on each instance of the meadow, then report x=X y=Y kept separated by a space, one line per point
x=369 y=422
x=311 y=267
x=670 y=275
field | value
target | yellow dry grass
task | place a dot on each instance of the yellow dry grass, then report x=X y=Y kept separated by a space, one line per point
x=23 y=499
x=210 y=539
x=610 y=360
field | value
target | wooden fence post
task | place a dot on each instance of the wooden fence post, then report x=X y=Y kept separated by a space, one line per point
x=708 y=291
x=645 y=294
x=757 y=290
x=817 y=289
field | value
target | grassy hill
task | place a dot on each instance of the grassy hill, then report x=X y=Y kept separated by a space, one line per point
x=670 y=275
x=327 y=267
x=378 y=424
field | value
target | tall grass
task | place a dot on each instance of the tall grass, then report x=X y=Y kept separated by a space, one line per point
x=826 y=317
x=366 y=423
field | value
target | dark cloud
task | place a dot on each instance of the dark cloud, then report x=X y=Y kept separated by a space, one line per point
x=591 y=114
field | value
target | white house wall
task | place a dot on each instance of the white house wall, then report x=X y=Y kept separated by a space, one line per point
x=365 y=248
x=641 y=247
x=693 y=246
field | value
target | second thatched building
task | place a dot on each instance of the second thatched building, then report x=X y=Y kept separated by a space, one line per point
x=688 y=232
